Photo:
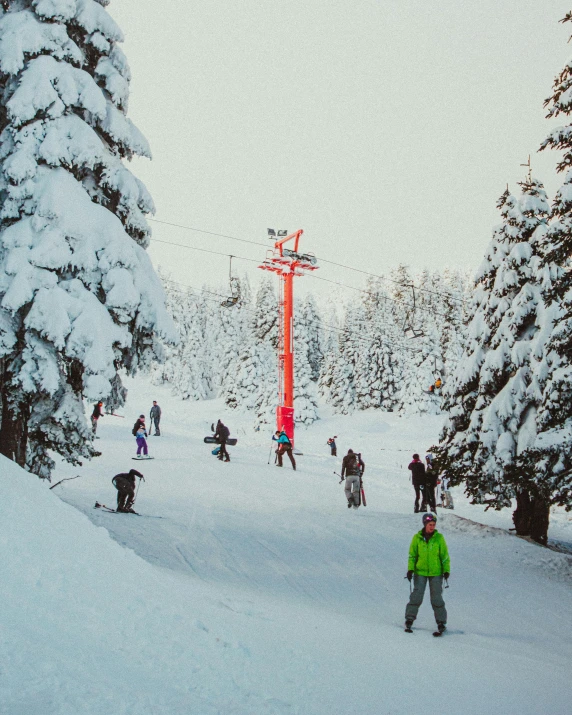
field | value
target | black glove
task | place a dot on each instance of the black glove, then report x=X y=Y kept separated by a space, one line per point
x=409 y=575
x=446 y=575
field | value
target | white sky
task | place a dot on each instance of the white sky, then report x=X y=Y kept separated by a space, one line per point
x=386 y=129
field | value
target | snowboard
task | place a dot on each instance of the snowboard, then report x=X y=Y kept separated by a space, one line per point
x=141 y=459
x=211 y=440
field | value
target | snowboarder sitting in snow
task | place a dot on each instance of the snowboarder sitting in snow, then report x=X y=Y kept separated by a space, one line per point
x=125 y=485
x=95 y=415
x=417 y=469
x=332 y=443
x=285 y=447
x=352 y=469
x=428 y=562
x=222 y=434
x=141 y=437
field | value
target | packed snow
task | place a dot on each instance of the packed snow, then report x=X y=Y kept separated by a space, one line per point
x=244 y=588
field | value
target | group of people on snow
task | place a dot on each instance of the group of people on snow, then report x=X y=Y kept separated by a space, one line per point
x=426 y=480
x=428 y=563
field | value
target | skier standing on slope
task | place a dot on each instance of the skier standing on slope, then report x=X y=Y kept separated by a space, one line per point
x=429 y=487
x=125 y=485
x=155 y=417
x=285 y=447
x=222 y=434
x=95 y=415
x=417 y=469
x=352 y=469
x=429 y=562
x=332 y=444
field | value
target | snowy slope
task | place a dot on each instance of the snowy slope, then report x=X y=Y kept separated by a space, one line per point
x=257 y=591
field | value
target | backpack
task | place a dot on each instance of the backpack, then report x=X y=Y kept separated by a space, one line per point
x=135 y=428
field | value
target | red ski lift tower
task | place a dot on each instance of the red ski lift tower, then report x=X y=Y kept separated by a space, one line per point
x=287 y=263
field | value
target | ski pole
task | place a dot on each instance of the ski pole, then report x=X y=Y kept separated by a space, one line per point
x=270 y=453
x=339 y=475
x=137 y=490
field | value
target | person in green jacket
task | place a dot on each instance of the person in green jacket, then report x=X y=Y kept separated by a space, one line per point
x=428 y=562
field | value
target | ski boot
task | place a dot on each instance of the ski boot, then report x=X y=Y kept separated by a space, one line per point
x=408 y=624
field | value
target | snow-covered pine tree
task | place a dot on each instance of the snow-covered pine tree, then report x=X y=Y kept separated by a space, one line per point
x=553 y=455
x=502 y=375
x=342 y=391
x=79 y=299
x=305 y=397
x=256 y=386
x=309 y=315
x=376 y=379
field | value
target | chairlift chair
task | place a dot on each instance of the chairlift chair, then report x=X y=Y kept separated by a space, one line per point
x=232 y=299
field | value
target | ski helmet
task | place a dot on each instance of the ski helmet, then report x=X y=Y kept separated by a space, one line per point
x=429 y=517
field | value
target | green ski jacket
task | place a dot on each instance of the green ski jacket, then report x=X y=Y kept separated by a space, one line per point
x=429 y=558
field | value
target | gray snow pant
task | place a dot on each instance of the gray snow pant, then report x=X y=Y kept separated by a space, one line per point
x=416 y=599
x=352 y=488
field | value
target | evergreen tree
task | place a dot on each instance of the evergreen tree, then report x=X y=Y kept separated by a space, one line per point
x=79 y=299
x=502 y=375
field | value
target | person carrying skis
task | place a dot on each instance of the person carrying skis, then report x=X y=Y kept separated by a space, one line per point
x=429 y=562
x=352 y=469
x=125 y=485
x=141 y=437
x=222 y=434
x=332 y=444
x=155 y=417
x=95 y=415
x=285 y=447
x=417 y=469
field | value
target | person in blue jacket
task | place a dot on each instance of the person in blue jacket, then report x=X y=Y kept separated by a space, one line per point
x=284 y=446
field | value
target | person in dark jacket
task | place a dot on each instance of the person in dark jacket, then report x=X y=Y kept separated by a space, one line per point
x=353 y=467
x=140 y=423
x=429 y=487
x=285 y=447
x=428 y=562
x=221 y=435
x=125 y=485
x=155 y=417
x=95 y=415
x=417 y=469
x=333 y=448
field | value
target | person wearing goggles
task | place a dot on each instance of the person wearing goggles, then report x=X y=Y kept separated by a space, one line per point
x=429 y=563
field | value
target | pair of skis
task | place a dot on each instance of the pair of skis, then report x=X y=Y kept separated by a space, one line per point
x=114 y=511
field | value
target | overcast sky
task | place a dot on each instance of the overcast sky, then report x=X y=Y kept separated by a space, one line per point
x=386 y=129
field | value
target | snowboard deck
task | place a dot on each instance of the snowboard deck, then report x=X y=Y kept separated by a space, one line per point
x=141 y=459
x=211 y=440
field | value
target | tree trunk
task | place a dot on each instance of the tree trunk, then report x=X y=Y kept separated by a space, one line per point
x=540 y=519
x=522 y=515
x=14 y=424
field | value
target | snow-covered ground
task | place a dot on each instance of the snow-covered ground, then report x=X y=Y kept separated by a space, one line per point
x=245 y=588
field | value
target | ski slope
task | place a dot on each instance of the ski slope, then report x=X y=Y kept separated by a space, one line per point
x=245 y=588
